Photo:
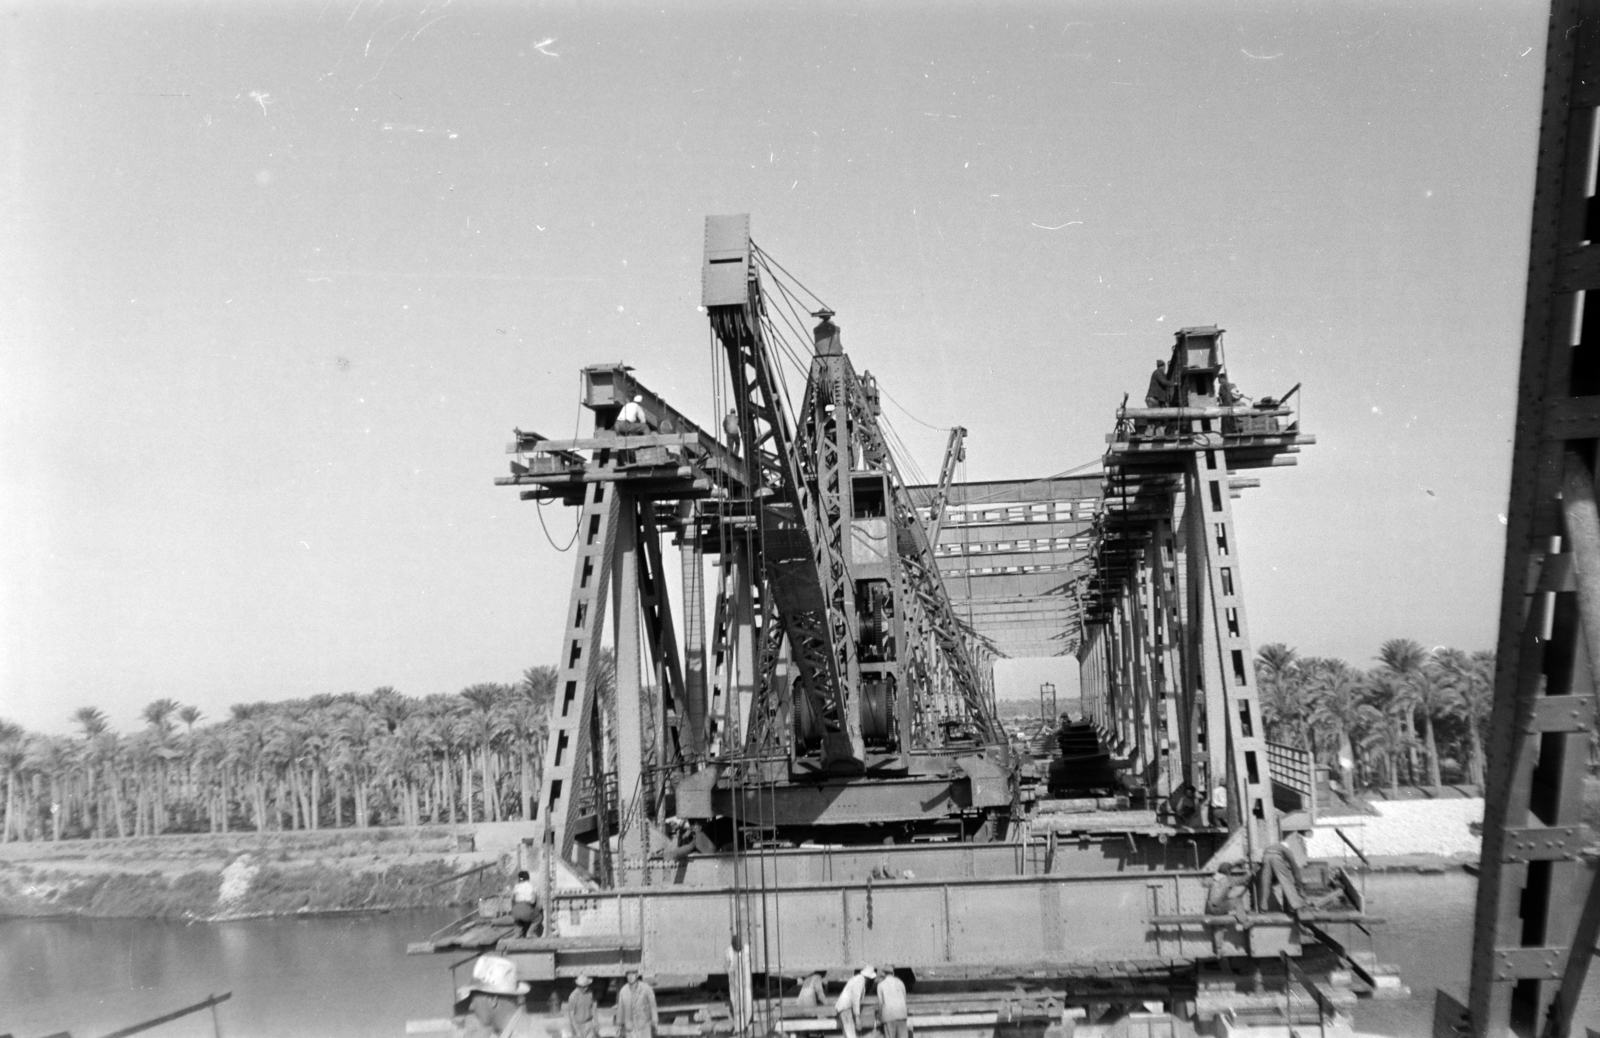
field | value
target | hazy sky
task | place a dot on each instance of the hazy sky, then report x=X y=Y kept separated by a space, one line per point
x=279 y=279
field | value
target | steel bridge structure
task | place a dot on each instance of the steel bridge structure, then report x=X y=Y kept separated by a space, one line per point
x=790 y=736
x=1538 y=907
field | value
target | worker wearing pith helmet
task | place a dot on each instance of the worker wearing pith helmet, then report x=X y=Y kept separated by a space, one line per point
x=495 y=997
x=580 y=1010
x=848 y=1007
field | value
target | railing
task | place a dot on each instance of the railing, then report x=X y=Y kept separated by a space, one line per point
x=1295 y=770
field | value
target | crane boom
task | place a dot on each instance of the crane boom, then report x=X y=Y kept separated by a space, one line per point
x=954 y=453
x=801 y=558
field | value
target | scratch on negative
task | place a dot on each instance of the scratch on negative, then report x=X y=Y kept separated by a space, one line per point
x=1058 y=226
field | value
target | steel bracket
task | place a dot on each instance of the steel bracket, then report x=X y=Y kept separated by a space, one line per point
x=1559 y=714
x=1556 y=843
x=1529 y=963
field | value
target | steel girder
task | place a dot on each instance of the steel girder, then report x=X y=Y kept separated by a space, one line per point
x=1538 y=909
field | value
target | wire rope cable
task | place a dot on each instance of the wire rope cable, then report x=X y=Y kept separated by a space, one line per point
x=538 y=503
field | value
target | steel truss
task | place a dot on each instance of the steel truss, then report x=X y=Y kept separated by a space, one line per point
x=1166 y=657
x=1538 y=910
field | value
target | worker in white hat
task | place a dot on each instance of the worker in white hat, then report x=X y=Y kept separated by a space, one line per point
x=580 y=1010
x=495 y=999
x=631 y=420
x=848 y=1007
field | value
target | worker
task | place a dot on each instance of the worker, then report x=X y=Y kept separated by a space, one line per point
x=741 y=1001
x=580 y=1010
x=730 y=429
x=1225 y=893
x=1219 y=805
x=1160 y=393
x=1228 y=894
x=494 y=999
x=813 y=993
x=848 y=1007
x=636 y=1008
x=631 y=420
x=893 y=1017
x=524 y=903
x=1283 y=881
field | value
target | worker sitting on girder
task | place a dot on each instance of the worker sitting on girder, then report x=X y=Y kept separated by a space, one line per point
x=631 y=421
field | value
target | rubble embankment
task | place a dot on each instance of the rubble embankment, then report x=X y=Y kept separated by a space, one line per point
x=217 y=876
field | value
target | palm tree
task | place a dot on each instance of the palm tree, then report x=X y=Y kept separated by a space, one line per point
x=353 y=753
x=1381 y=737
x=12 y=737
x=1334 y=689
x=484 y=726
x=1415 y=692
x=52 y=757
x=93 y=722
x=1469 y=679
x=158 y=715
x=110 y=750
x=1284 y=708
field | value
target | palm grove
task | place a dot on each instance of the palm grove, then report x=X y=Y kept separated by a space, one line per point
x=1416 y=717
x=357 y=759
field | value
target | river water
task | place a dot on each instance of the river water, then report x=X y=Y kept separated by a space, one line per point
x=349 y=976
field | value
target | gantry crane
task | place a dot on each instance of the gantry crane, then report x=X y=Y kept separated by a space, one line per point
x=835 y=688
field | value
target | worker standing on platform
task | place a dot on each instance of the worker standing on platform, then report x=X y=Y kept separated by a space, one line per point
x=524 y=903
x=848 y=1007
x=893 y=1016
x=636 y=1008
x=580 y=1010
x=1160 y=392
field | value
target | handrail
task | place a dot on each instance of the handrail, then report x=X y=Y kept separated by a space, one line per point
x=211 y=1000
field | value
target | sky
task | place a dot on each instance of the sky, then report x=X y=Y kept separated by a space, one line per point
x=280 y=279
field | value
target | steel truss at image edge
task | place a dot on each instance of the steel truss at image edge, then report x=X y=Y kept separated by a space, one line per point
x=1538 y=908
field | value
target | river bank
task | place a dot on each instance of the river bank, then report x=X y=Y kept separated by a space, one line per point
x=221 y=876
x=217 y=876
